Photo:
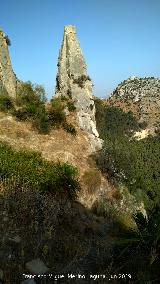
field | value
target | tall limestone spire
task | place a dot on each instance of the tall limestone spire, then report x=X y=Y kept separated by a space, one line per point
x=72 y=81
x=7 y=77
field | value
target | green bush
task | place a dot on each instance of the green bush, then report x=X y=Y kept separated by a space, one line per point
x=21 y=113
x=138 y=250
x=30 y=95
x=57 y=115
x=42 y=123
x=64 y=99
x=29 y=168
x=71 y=106
x=40 y=92
x=69 y=128
x=8 y=41
x=103 y=207
x=6 y=103
x=31 y=106
x=56 y=112
x=80 y=81
x=29 y=112
x=66 y=102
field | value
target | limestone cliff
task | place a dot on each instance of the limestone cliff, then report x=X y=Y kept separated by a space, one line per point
x=72 y=81
x=7 y=77
x=141 y=96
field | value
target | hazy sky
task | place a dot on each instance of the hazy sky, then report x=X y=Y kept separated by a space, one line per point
x=119 y=38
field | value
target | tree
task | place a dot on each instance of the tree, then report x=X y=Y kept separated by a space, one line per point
x=8 y=41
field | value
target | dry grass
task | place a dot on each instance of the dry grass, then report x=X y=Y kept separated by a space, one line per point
x=58 y=146
x=92 y=179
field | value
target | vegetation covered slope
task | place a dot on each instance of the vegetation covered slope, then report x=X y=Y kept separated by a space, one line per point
x=72 y=220
x=134 y=164
x=141 y=96
x=41 y=213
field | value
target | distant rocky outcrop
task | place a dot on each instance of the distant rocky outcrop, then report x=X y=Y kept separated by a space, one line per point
x=140 y=95
x=73 y=82
x=8 y=78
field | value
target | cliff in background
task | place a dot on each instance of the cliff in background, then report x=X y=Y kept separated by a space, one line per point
x=141 y=96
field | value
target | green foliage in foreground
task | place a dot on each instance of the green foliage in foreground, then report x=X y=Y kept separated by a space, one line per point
x=29 y=168
x=139 y=251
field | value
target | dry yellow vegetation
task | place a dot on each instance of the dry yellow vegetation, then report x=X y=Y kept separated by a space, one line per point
x=59 y=146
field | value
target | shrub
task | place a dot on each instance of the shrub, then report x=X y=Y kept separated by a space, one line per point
x=103 y=207
x=8 y=41
x=21 y=113
x=29 y=93
x=42 y=123
x=56 y=112
x=57 y=83
x=91 y=107
x=31 y=106
x=29 y=168
x=92 y=179
x=6 y=103
x=69 y=128
x=80 y=81
x=138 y=250
x=67 y=102
x=64 y=99
x=31 y=101
x=40 y=92
x=71 y=106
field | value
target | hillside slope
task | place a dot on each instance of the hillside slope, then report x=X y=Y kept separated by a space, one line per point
x=64 y=234
x=141 y=96
x=56 y=146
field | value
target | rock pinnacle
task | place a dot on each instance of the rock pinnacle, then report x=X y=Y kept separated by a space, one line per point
x=73 y=81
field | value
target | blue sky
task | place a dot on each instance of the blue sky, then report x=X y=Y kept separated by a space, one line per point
x=119 y=38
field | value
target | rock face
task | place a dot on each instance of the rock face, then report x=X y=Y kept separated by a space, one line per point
x=72 y=81
x=7 y=77
x=143 y=94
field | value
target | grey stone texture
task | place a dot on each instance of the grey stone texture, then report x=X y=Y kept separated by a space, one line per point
x=36 y=266
x=8 y=79
x=72 y=81
x=145 y=92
